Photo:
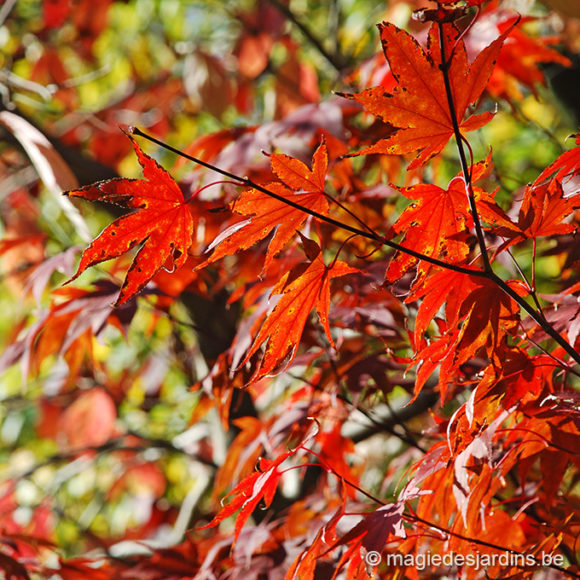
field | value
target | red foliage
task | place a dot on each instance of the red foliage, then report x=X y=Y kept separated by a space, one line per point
x=418 y=105
x=163 y=223
x=428 y=292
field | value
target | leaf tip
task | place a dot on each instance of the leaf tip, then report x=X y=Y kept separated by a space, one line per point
x=132 y=130
x=343 y=95
x=121 y=300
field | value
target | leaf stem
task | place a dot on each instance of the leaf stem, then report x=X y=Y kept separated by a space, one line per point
x=534 y=244
x=328 y=468
x=350 y=213
x=538 y=318
x=487 y=274
x=368 y=235
x=444 y=67
x=530 y=287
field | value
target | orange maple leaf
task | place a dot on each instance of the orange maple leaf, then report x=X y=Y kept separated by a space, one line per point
x=305 y=188
x=513 y=70
x=479 y=315
x=418 y=105
x=545 y=205
x=371 y=535
x=306 y=287
x=564 y=168
x=163 y=223
x=482 y=309
x=260 y=485
x=489 y=316
x=304 y=566
x=436 y=225
x=548 y=201
x=543 y=211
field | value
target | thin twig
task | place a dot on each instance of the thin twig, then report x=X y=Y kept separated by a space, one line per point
x=486 y=274
x=465 y=168
x=334 y=59
x=368 y=235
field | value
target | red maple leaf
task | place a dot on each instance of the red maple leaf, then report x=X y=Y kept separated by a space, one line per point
x=301 y=185
x=418 y=105
x=163 y=224
x=370 y=535
x=306 y=287
x=305 y=564
x=565 y=167
x=545 y=205
x=479 y=315
x=543 y=211
x=260 y=485
x=547 y=202
x=437 y=225
x=485 y=312
x=512 y=70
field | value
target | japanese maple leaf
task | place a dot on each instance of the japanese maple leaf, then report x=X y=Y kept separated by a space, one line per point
x=521 y=58
x=301 y=185
x=439 y=222
x=372 y=534
x=163 y=224
x=485 y=312
x=306 y=287
x=436 y=225
x=544 y=209
x=418 y=105
x=478 y=314
x=490 y=314
x=258 y=486
x=564 y=168
x=439 y=288
x=548 y=201
x=304 y=567
x=542 y=213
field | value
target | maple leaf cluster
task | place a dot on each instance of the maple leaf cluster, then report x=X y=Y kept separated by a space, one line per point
x=340 y=337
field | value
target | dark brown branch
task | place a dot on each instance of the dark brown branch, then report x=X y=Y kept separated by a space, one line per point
x=487 y=274
x=444 y=66
x=538 y=317
x=368 y=235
